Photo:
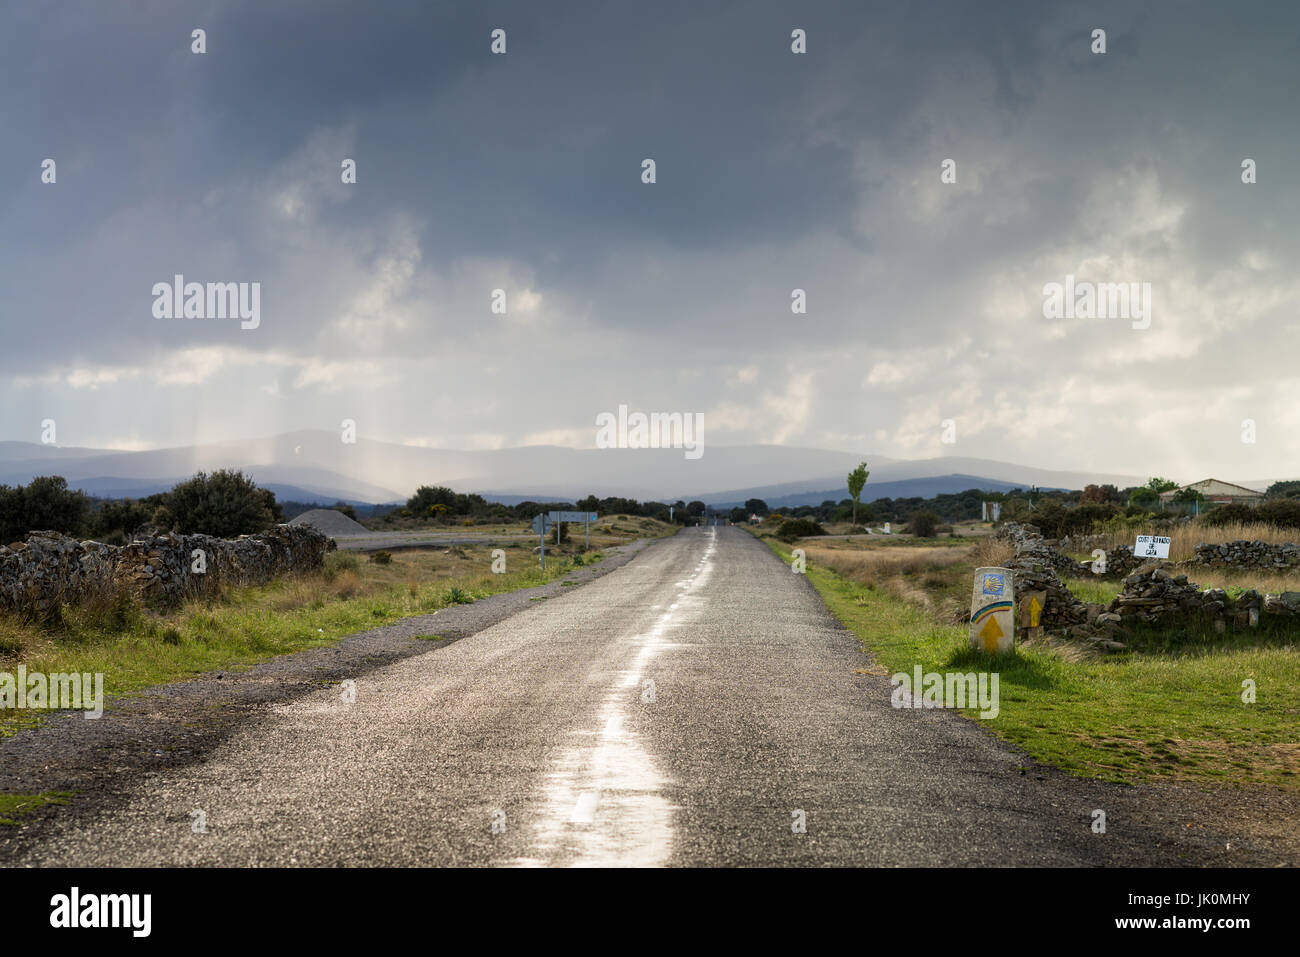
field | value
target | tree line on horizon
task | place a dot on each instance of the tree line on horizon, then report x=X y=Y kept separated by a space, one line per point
x=224 y=504
x=227 y=503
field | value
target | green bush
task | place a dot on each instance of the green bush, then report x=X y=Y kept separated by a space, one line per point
x=225 y=504
x=45 y=504
x=114 y=522
x=1280 y=513
x=793 y=528
x=338 y=562
x=923 y=524
x=458 y=596
x=382 y=558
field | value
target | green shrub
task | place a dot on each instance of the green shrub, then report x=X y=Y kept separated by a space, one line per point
x=458 y=596
x=382 y=558
x=924 y=524
x=225 y=504
x=1280 y=513
x=46 y=504
x=338 y=562
x=793 y=528
x=1283 y=513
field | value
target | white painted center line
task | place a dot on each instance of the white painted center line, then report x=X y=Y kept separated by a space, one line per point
x=584 y=812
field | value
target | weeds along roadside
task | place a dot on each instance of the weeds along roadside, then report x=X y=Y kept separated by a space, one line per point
x=1170 y=709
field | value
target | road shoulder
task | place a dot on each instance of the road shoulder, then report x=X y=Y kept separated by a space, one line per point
x=174 y=725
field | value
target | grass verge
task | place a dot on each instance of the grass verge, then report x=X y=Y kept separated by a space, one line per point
x=136 y=648
x=1170 y=708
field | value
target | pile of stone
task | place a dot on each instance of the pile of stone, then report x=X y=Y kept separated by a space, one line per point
x=50 y=569
x=1286 y=604
x=1154 y=592
x=1061 y=608
x=1157 y=594
x=1035 y=568
x=330 y=521
x=1120 y=562
x=1247 y=554
x=1030 y=545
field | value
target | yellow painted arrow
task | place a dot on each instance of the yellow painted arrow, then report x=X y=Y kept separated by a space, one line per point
x=1035 y=606
x=991 y=632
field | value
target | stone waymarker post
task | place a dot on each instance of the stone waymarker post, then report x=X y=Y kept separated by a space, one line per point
x=993 y=611
x=1031 y=613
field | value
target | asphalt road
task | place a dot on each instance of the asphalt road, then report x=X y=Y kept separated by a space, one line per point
x=687 y=708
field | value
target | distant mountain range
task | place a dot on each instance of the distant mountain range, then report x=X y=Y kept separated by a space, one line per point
x=314 y=466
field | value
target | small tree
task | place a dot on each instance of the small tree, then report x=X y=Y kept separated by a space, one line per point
x=1290 y=489
x=1143 y=497
x=45 y=504
x=428 y=495
x=857 y=482
x=224 y=504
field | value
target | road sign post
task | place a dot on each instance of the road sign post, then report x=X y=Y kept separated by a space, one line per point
x=993 y=611
x=543 y=522
x=540 y=525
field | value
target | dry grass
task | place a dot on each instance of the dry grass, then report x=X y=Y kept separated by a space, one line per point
x=867 y=565
x=992 y=552
x=1184 y=538
x=916 y=574
x=1235 y=578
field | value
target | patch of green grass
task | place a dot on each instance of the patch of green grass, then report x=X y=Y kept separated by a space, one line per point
x=458 y=596
x=428 y=637
x=13 y=806
x=1169 y=708
x=1097 y=590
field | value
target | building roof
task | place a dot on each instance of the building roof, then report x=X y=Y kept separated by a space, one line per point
x=1212 y=486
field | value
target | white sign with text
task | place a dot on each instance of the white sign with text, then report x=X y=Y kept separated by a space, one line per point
x=1151 y=546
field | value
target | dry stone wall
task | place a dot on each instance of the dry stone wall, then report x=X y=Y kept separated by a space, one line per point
x=50 y=569
x=1031 y=546
x=1036 y=567
x=1154 y=592
x=1160 y=595
x=1246 y=554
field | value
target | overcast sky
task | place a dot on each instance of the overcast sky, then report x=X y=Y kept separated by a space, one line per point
x=775 y=171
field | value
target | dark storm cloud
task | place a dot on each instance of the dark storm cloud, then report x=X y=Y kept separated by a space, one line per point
x=775 y=171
